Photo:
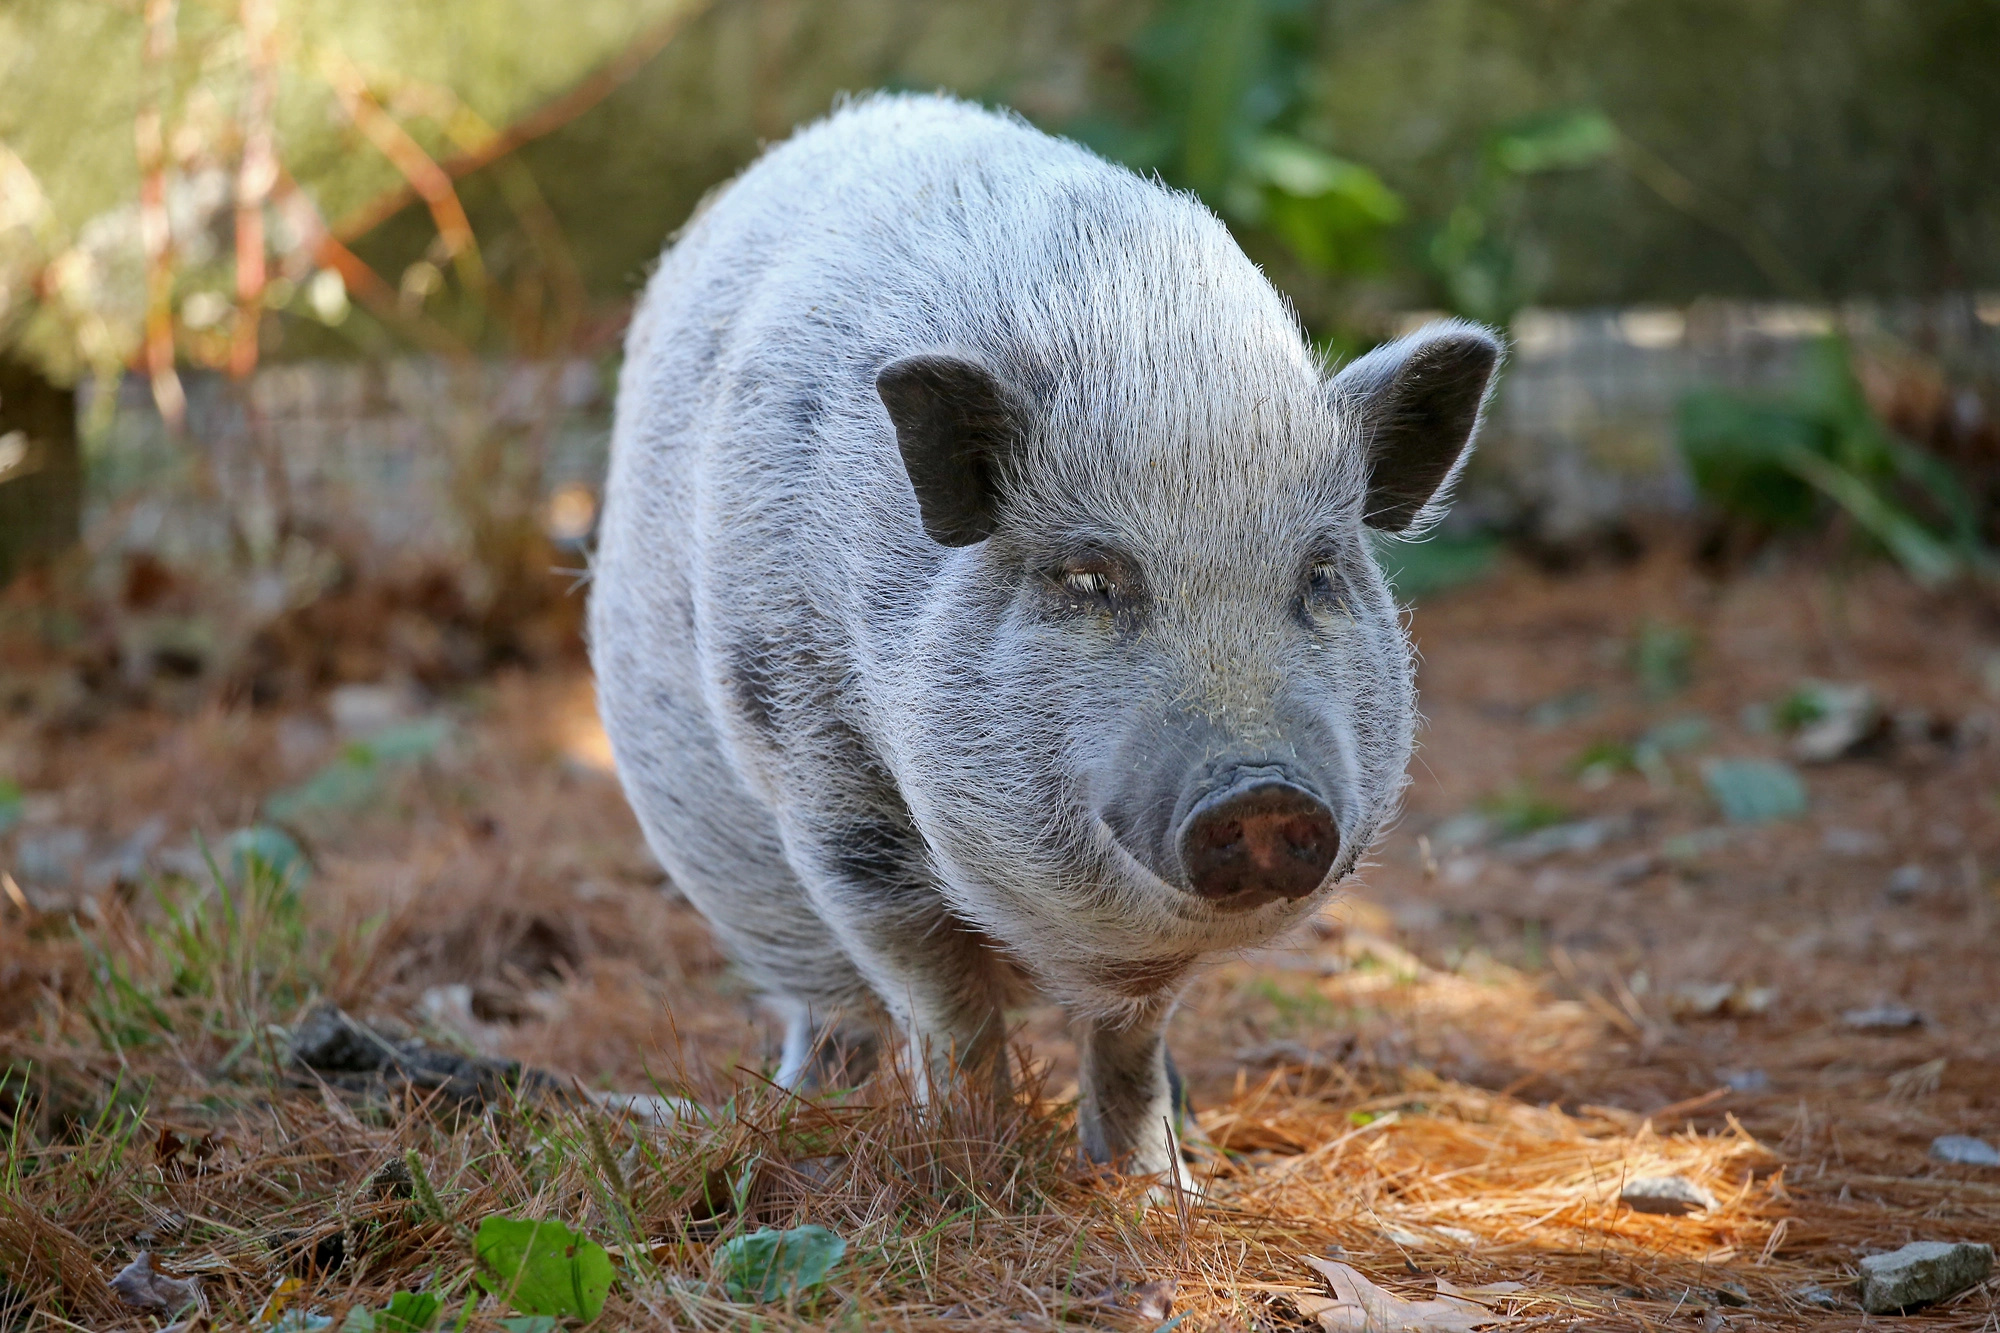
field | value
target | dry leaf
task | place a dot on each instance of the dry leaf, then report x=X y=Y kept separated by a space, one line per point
x=137 y=1284
x=1150 y=1302
x=1154 y=1300
x=1359 y=1306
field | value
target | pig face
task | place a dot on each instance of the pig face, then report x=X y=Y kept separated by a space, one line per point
x=1164 y=622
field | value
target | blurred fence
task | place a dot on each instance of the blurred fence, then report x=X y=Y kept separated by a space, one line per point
x=1582 y=434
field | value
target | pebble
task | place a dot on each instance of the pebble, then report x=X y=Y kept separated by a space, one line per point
x=1921 y=1272
x=1674 y=1195
x=1819 y=1297
x=1964 y=1150
x=1907 y=882
x=1882 y=1016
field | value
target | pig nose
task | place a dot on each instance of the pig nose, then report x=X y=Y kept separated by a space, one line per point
x=1252 y=843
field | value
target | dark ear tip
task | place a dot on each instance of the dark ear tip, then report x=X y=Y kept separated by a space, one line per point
x=1462 y=345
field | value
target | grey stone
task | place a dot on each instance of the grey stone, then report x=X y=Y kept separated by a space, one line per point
x=1921 y=1272
x=1672 y=1195
x=1880 y=1017
x=51 y=859
x=1820 y=1298
x=1964 y=1150
x=1848 y=716
x=1907 y=882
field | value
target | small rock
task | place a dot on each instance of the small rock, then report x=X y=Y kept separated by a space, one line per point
x=1921 y=1272
x=1462 y=831
x=1964 y=1150
x=1721 y=998
x=1844 y=718
x=1819 y=1297
x=137 y=1284
x=1701 y=999
x=1581 y=836
x=1631 y=869
x=51 y=859
x=1882 y=1017
x=1842 y=841
x=363 y=710
x=1745 y=1080
x=1907 y=882
x=1673 y=1195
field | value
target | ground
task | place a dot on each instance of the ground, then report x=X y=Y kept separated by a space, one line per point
x=1564 y=970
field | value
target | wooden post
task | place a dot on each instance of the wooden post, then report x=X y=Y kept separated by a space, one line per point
x=41 y=469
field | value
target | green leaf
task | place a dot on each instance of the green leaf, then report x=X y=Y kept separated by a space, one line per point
x=1754 y=791
x=1419 y=568
x=531 y=1323
x=1663 y=659
x=267 y=851
x=542 y=1268
x=410 y=1312
x=1560 y=141
x=770 y=1265
x=406 y=1312
x=10 y=804
x=353 y=778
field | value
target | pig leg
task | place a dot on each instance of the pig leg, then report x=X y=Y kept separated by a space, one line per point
x=1127 y=1110
x=822 y=1053
x=941 y=984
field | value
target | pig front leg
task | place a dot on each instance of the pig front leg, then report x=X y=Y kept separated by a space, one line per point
x=1126 y=1112
x=942 y=986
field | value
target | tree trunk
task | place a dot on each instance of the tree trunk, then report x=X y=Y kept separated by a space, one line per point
x=41 y=469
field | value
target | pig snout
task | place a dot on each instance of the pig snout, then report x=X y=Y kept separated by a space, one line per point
x=1236 y=832
x=1255 y=838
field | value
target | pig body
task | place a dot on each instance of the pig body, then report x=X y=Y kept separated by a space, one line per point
x=983 y=598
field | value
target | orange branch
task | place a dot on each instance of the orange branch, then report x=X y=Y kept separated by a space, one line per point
x=549 y=117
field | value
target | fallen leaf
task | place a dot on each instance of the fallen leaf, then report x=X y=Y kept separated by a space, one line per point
x=770 y=1264
x=1754 y=791
x=1149 y=1301
x=542 y=1268
x=1359 y=1306
x=1154 y=1300
x=137 y=1284
x=1668 y=1195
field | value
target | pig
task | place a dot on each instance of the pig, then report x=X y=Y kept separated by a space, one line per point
x=983 y=601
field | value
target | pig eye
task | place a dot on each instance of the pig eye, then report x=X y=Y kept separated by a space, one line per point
x=1087 y=582
x=1325 y=590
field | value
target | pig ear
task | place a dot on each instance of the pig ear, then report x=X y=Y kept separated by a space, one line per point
x=1417 y=402
x=955 y=423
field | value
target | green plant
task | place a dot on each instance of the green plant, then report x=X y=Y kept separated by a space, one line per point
x=1663 y=659
x=1224 y=88
x=1476 y=253
x=542 y=1268
x=1754 y=791
x=771 y=1265
x=1436 y=563
x=224 y=955
x=1789 y=462
x=1520 y=810
x=406 y=1312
